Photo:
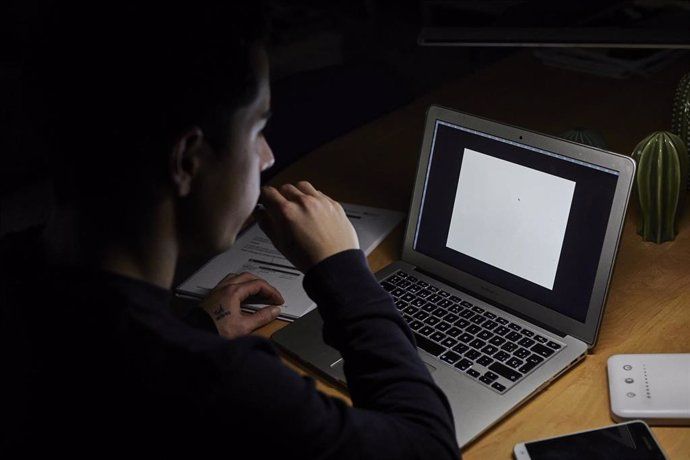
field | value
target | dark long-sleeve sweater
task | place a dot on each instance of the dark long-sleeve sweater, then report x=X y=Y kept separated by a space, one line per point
x=99 y=364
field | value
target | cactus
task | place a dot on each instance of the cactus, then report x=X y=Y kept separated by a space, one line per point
x=680 y=121
x=585 y=136
x=660 y=183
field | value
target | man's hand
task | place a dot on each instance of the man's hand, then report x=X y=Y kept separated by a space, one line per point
x=223 y=304
x=304 y=224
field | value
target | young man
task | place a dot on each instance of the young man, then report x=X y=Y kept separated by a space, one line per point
x=154 y=121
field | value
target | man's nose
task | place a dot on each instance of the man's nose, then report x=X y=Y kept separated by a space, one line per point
x=267 y=158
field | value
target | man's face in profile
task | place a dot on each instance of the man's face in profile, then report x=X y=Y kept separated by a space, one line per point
x=229 y=187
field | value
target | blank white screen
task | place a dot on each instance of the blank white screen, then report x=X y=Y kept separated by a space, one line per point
x=510 y=216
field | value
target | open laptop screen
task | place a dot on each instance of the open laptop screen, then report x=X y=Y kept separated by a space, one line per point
x=524 y=219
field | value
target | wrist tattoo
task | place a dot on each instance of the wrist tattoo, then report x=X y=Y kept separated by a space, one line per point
x=220 y=313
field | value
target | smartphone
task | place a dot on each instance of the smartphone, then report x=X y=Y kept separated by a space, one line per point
x=632 y=440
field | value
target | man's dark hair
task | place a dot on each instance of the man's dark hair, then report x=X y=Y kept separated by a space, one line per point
x=110 y=85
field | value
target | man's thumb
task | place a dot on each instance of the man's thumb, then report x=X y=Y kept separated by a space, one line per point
x=264 y=316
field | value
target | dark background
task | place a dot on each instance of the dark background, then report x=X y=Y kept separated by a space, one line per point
x=584 y=235
x=335 y=65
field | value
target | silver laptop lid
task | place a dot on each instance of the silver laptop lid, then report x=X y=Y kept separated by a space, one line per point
x=524 y=220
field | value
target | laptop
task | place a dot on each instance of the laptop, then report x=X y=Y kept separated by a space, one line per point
x=508 y=253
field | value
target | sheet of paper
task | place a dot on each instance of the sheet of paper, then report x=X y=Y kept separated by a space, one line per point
x=253 y=252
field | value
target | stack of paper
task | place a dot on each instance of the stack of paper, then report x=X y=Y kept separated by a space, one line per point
x=253 y=252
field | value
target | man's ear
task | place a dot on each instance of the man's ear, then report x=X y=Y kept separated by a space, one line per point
x=185 y=160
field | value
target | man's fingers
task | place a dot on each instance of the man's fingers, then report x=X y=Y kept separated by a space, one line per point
x=261 y=317
x=258 y=290
x=271 y=197
x=308 y=189
x=291 y=192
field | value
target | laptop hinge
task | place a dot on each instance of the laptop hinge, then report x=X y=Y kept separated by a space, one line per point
x=493 y=303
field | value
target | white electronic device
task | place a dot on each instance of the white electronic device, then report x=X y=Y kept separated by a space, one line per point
x=650 y=387
x=631 y=440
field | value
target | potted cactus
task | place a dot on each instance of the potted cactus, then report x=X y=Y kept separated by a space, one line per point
x=660 y=184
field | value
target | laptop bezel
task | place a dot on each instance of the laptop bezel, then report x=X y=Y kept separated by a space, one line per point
x=587 y=331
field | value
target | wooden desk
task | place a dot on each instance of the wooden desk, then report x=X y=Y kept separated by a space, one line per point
x=649 y=302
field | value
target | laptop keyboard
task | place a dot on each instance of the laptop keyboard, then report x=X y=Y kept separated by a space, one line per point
x=478 y=343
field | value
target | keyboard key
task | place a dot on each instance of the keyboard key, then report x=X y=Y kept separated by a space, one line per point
x=525 y=342
x=461 y=348
x=465 y=303
x=432 y=321
x=388 y=287
x=453 y=332
x=473 y=329
x=488 y=378
x=440 y=312
x=489 y=315
x=522 y=353
x=428 y=346
x=485 y=335
x=450 y=357
x=411 y=278
x=473 y=373
x=437 y=336
x=416 y=324
x=465 y=337
x=509 y=347
x=445 y=303
x=554 y=345
x=528 y=367
x=400 y=274
x=414 y=288
x=535 y=359
x=542 y=350
x=489 y=350
x=472 y=354
x=502 y=321
x=455 y=299
x=498 y=386
x=449 y=342
x=501 y=356
x=432 y=288
x=505 y=372
x=500 y=330
x=421 y=315
x=476 y=343
x=429 y=307
x=478 y=319
x=404 y=284
x=408 y=318
x=527 y=333
x=484 y=360
x=444 y=293
x=467 y=314
x=434 y=298
x=450 y=317
x=418 y=302
x=423 y=293
x=395 y=279
x=496 y=340
x=423 y=284
x=477 y=309
x=515 y=327
x=426 y=330
x=540 y=339
x=443 y=327
x=464 y=364
x=399 y=304
x=489 y=325
x=410 y=310
x=397 y=292
x=514 y=362
x=462 y=323
x=455 y=309
x=514 y=336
